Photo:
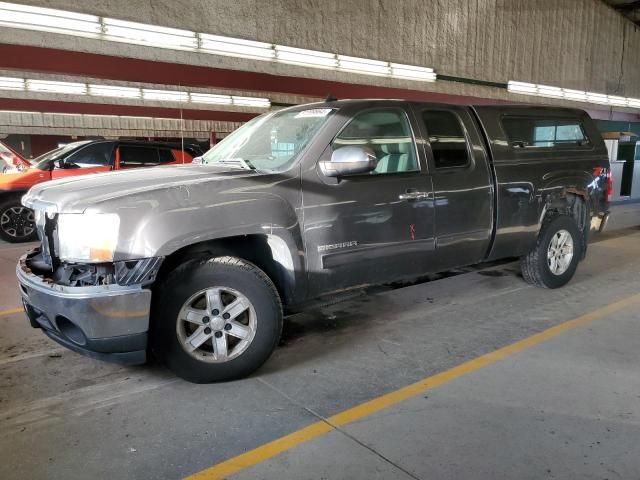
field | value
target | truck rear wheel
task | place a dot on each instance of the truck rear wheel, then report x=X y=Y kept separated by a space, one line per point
x=216 y=320
x=554 y=259
x=17 y=223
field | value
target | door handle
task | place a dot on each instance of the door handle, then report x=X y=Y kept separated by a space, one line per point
x=414 y=195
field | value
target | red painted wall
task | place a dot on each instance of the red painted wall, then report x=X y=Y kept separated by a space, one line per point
x=43 y=143
x=49 y=60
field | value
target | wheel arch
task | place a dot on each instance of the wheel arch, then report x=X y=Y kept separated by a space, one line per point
x=270 y=253
x=572 y=202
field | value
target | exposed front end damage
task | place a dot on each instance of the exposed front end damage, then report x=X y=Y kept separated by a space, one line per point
x=100 y=310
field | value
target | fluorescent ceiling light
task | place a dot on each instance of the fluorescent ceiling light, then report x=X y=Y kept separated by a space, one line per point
x=48 y=19
x=168 y=95
x=597 y=98
x=412 y=72
x=618 y=101
x=251 y=102
x=548 y=91
x=20 y=111
x=210 y=98
x=10 y=83
x=236 y=46
x=569 y=94
x=522 y=87
x=363 y=65
x=152 y=35
x=49 y=86
x=104 y=28
x=301 y=56
x=577 y=95
x=114 y=91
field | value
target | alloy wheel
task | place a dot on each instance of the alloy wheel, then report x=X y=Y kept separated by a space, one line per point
x=560 y=252
x=17 y=222
x=216 y=324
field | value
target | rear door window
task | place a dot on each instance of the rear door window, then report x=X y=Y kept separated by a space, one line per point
x=138 y=156
x=447 y=139
x=524 y=132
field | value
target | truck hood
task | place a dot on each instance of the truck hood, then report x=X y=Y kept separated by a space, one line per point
x=77 y=194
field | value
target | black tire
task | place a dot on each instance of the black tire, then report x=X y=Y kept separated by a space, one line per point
x=194 y=276
x=535 y=266
x=16 y=227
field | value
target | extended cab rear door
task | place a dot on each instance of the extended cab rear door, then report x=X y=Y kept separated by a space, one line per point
x=462 y=183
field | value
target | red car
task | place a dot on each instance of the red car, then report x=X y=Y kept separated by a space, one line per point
x=17 y=223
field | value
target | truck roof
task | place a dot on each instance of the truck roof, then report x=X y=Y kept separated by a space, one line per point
x=529 y=108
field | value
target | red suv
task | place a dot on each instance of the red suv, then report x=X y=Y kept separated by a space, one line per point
x=17 y=223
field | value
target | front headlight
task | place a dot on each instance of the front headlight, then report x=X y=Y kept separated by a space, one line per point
x=88 y=237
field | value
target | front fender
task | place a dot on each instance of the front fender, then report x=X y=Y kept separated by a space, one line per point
x=156 y=224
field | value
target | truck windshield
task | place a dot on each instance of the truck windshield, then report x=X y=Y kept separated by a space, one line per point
x=269 y=142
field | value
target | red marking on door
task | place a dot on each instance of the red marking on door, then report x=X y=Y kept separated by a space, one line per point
x=412 y=231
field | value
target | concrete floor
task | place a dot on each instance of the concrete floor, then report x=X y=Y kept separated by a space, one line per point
x=566 y=408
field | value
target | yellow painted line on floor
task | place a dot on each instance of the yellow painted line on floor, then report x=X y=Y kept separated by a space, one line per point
x=317 y=429
x=12 y=311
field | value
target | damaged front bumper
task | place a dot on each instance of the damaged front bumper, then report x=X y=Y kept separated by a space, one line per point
x=107 y=322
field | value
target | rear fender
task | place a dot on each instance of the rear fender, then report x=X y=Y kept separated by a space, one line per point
x=567 y=195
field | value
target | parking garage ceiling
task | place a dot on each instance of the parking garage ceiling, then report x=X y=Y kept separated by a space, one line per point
x=103 y=61
x=628 y=8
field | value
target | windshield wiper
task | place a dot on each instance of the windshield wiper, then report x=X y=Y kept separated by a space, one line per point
x=236 y=163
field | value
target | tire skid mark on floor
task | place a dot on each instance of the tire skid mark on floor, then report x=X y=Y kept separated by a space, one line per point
x=30 y=355
x=82 y=400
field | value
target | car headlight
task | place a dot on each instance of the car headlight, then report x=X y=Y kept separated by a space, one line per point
x=88 y=237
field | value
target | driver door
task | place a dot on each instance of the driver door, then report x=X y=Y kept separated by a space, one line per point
x=93 y=158
x=374 y=227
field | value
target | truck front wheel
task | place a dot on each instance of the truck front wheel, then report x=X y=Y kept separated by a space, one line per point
x=554 y=259
x=216 y=320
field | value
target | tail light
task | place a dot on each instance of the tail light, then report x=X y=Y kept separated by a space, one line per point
x=608 y=189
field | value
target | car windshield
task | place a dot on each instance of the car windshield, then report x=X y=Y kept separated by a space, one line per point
x=43 y=162
x=270 y=142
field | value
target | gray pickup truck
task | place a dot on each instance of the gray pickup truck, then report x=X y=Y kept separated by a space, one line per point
x=197 y=263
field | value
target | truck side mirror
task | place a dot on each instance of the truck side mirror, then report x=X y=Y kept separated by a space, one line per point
x=349 y=161
x=197 y=160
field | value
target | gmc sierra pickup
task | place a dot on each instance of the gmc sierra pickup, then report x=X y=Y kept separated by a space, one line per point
x=196 y=262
